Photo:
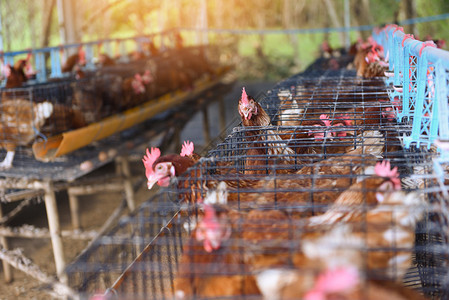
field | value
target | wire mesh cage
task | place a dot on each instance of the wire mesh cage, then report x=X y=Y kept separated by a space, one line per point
x=274 y=236
x=277 y=208
x=73 y=102
x=102 y=265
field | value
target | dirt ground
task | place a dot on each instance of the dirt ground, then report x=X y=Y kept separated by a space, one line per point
x=97 y=208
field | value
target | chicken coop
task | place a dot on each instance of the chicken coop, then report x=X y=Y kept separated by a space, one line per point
x=82 y=106
x=333 y=185
x=329 y=184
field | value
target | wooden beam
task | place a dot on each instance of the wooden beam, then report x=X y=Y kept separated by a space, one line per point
x=16 y=259
x=74 y=211
x=95 y=188
x=20 y=195
x=4 y=243
x=127 y=183
x=29 y=231
x=16 y=210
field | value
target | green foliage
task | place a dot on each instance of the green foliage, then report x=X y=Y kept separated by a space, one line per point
x=437 y=29
x=271 y=56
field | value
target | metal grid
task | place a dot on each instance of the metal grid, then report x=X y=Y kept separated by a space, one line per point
x=99 y=268
x=287 y=190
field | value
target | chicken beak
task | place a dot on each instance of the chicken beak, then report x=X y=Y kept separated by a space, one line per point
x=247 y=114
x=151 y=182
x=153 y=179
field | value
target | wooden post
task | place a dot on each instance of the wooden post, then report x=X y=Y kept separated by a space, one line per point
x=206 y=126
x=74 y=210
x=6 y=267
x=129 y=191
x=55 y=231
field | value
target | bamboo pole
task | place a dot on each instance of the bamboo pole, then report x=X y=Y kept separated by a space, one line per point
x=16 y=259
x=127 y=183
x=20 y=195
x=6 y=267
x=15 y=211
x=55 y=231
x=29 y=231
x=74 y=210
x=94 y=188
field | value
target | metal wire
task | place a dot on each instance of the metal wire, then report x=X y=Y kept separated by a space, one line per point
x=324 y=163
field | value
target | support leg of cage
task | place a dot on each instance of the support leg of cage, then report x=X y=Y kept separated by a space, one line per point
x=127 y=183
x=7 y=270
x=74 y=210
x=55 y=230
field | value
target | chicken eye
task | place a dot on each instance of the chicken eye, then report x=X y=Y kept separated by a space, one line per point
x=159 y=167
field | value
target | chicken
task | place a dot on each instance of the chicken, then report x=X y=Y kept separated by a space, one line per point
x=381 y=244
x=366 y=192
x=289 y=116
x=63 y=118
x=302 y=140
x=369 y=61
x=208 y=266
x=154 y=51
x=281 y=191
x=104 y=60
x=264 y=142
x=21 y=121
x=135 y=90
x=283 y=256
x=319 y=183
x=347 y=283
x=161 y=169
x=87 y=99
x=326 y=50
x=74 y=61
x=383 y=221
x=251 y=237
x=17 y=75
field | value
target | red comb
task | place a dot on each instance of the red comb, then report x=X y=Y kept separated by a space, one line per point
x=325 y=119
x=383 y=169
x=244 y=98
x=346 y=118
x=149 y=159
x=187 y=148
